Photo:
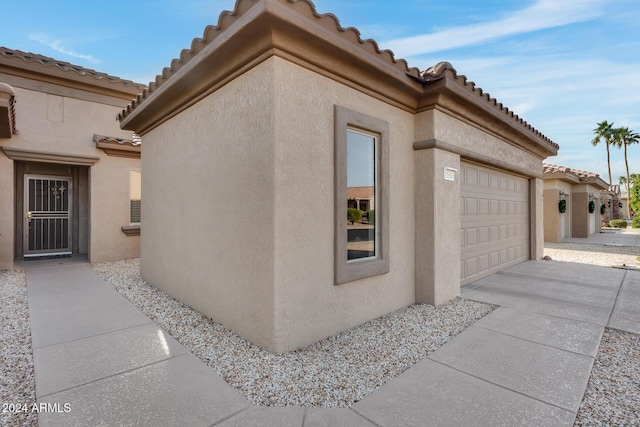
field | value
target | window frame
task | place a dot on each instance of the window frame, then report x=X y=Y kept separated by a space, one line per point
x=350 y=270
x=131 y=172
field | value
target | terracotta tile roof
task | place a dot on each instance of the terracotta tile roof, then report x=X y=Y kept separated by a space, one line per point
x=360 y=193
x=438 y=72
x=134 y=141
x=581 y=175
x=45 y=61
x=119 y=147
x=351 y=34
x=227 y=18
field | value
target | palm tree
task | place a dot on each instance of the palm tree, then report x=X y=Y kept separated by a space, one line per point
x=622 y=137
x=604 y=131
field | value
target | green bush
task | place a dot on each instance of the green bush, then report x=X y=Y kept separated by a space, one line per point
x=618 y=223
x=562 y=206
x=636 y=222
x=371 y=215
x=354 y=214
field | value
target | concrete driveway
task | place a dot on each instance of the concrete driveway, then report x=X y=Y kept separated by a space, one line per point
x=526 y=363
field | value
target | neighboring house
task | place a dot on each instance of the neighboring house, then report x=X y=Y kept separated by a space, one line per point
x=612 y=199
x=246 y=177
x=624 y=201
x=362 y=198
x=575 y=190
x=66 y=168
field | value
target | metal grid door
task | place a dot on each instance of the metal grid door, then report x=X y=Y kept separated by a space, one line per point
x=47 y=202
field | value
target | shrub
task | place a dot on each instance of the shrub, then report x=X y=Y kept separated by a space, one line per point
x=592 y=207
x=371 y=215
x=636 y=222
x=618 y=223
x=354 y=214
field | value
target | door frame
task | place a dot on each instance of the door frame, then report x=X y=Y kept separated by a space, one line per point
x=26 y=253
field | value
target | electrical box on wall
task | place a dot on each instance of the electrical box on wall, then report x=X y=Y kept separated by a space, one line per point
x=450 y=174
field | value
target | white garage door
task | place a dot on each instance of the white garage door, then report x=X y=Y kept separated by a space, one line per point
x=494 y=218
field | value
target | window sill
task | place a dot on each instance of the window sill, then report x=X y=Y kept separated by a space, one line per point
x=131 y=230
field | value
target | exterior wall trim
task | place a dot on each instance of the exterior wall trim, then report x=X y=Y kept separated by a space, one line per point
x=131 y=230
x=26 y=155
x=466 y=154
x=345 y=272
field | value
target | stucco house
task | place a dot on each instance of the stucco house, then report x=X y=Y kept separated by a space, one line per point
x=612 y=199
x=576 y=192
x=251 y=141
x=68 y=173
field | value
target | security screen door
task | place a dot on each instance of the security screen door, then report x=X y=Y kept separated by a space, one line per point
x=47 y=204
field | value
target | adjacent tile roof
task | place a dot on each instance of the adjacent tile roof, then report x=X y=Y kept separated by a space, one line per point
x=7 y=111
x=45 y=61
x=582 y=176
x=360 y=193
x=119 y=147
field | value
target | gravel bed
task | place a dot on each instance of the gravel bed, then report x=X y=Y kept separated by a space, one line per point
x=585 y=253
x=17 y=386
x=613 y=394
x=334 y=372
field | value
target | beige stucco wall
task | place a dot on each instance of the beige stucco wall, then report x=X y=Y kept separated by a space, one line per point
x=65 y=124
x=437 y=235
x=309 y=306
x=6 y=211
x=441 y=126
x=109 y=210
x=208 y=208
x=254 y=197
x=554 y=221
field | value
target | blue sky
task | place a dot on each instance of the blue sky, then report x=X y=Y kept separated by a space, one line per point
x=562 y=65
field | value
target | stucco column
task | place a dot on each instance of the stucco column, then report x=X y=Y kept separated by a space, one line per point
x=437 y=226
x=536 y=191
x=552 y=217
x=580 y=215
x=7 y=207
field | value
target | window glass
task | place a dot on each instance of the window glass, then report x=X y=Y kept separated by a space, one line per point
x=361 y=195
x=361 y=244
x=135 y=184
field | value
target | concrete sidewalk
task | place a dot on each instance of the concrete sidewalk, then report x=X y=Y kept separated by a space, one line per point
x=526 y=363
x=610 y=237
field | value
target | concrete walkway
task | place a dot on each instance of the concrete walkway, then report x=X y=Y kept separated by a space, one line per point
x=526 y=363
x=610 y=237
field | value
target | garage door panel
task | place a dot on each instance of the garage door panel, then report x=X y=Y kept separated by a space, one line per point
x=494 y=220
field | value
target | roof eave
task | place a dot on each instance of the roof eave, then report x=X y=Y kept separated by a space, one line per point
x=35 y=70
x=453 y=94
x=291 y=30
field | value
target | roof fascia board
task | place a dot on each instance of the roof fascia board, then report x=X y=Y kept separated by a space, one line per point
x=56 y=76
x=68 y=92
x=562 y=176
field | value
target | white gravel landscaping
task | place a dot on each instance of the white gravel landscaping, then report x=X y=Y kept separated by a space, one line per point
x=585 y=253
x=613 y=394
x=334 y=372
x=17 y=383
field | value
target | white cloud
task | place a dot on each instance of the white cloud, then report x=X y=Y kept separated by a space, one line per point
x=541 y=15
x=57 y=46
